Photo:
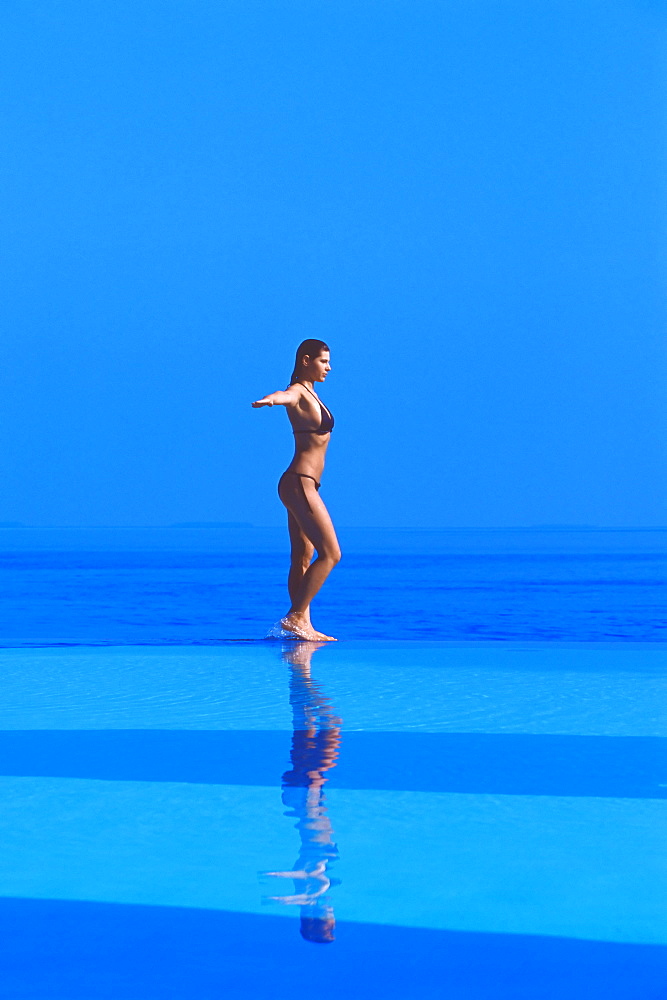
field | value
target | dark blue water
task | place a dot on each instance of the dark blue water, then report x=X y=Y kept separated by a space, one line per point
x=590 y=586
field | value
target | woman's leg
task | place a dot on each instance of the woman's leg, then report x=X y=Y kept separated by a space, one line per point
x=302 y=554
x=314 y=523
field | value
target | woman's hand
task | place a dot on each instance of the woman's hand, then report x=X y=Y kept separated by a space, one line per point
x=261 y=402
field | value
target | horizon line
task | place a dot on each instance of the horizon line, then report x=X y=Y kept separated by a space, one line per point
x=244 y=525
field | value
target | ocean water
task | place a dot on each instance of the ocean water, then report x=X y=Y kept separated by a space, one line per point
x=186 y=586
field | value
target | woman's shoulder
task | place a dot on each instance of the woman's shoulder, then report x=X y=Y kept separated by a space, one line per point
x=300 y=395
x=295 y=392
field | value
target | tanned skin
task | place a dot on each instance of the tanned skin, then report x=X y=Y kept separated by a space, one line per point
x=310 y=527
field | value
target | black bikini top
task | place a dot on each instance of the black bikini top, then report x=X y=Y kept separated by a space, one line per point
x=327 y=421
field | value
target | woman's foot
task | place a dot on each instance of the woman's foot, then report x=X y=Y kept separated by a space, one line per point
x=325 y=638
x=299 y=626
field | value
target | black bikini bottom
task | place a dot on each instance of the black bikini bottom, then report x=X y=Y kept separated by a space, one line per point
x=300 y=476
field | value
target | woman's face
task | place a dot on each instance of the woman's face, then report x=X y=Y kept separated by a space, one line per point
x=318 y=368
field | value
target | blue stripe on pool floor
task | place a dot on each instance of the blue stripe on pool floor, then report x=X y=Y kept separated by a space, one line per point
x=510 y=764
x=78 y=950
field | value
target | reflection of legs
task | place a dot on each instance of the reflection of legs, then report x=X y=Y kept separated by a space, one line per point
x=310 y=529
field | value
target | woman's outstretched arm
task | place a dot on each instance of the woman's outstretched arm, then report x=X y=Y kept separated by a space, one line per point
x=287 y=397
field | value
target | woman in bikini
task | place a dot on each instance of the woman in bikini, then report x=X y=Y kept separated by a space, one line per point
x=310 y=527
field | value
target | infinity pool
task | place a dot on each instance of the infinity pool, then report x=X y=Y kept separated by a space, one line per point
x=407 y=819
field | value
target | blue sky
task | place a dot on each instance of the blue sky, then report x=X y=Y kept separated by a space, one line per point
x=465 y=199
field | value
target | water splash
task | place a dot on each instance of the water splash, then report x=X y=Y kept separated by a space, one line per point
x=277 y=631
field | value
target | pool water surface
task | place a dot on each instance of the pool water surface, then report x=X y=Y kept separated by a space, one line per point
x=411 y=818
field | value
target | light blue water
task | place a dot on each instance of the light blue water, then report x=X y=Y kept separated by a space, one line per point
x=481 y=822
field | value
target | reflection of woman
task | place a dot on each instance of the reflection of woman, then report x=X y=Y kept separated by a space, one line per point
x=315 y=744
x=309 y=524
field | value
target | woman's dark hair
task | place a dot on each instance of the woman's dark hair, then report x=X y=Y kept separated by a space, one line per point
x=317 y=930
x=313 y=348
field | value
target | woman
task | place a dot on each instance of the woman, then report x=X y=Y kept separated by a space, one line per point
x=310 y=527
